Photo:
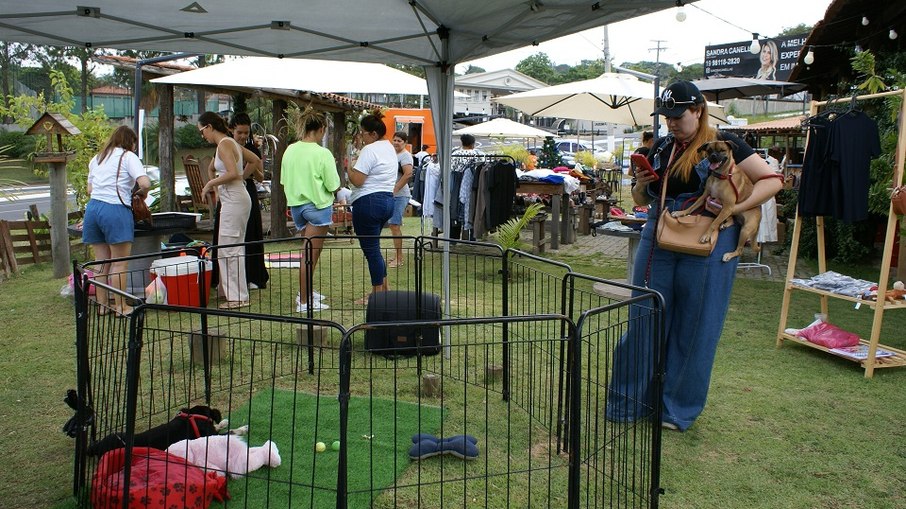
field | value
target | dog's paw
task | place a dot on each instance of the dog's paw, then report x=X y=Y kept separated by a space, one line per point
x=678 y=213
x=729 y=256
x=274 y=461
x=222 y=425
x=705 y=239
x=240 y=431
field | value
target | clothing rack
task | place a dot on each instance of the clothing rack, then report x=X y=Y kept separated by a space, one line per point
x=483 y=158
x=870 y=362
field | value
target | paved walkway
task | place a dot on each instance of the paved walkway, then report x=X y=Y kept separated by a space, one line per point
x=617 y=247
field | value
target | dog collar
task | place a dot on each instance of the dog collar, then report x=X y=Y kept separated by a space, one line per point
x=727 y=177
x=192 y=418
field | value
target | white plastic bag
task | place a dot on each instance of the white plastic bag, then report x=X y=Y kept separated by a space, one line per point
x=156 y=292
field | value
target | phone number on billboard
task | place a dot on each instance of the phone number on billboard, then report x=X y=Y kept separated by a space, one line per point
x=722 y=61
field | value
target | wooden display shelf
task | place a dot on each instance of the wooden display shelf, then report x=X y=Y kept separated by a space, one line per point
x=897 y=360
x=901 y=304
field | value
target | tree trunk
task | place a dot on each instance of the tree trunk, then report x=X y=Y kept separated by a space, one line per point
x=4 y=78
x=200 y=93
x=165 y=149
x=278 y=198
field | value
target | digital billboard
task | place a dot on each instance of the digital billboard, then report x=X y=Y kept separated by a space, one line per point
x=774 y=61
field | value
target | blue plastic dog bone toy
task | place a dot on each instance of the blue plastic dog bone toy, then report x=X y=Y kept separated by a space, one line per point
x=427 y=436
x=460 y=446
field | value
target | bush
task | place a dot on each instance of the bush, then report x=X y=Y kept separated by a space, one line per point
x=21 y=144
x=188 y=136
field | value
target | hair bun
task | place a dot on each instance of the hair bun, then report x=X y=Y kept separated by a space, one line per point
x=377 y=113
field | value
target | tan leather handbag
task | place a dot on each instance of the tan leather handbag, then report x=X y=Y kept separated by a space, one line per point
x=682 y=234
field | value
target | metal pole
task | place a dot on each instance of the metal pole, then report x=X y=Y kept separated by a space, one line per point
x=137 y=89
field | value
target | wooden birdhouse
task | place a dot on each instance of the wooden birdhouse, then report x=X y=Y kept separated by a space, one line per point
x=50 y=124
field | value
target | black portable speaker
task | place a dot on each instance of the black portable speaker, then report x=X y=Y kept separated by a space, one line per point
x=397 y=306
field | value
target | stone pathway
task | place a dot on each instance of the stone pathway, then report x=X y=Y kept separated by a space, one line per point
x=617 y=247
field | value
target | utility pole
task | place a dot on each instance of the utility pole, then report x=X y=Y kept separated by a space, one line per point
x=657 y=59
x=606 y=45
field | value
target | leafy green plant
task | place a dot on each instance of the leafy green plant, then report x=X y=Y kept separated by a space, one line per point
x=188 y=136
x=507 y=234
x=20 y=144
x=94 y=125
x=517 y=152
x=864 y=63
x=586 y=158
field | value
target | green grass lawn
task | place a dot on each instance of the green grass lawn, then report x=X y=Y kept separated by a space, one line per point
x=784 y=428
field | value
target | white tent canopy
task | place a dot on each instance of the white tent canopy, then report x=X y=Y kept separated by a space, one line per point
x=503 y=128
x=436 y=34
x=330 y=76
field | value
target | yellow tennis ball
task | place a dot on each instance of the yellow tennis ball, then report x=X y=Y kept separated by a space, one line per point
x=320 y=447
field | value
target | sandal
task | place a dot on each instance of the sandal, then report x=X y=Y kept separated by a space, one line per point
x=233 y=304
x=362 y=301
x=393 y=264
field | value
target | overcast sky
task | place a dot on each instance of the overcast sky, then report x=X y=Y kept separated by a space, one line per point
x=631 y=40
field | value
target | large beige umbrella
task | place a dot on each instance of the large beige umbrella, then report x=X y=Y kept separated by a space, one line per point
x=503 y=128
x=611 y=97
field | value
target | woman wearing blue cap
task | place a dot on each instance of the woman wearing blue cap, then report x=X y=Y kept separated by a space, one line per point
x=696 y=289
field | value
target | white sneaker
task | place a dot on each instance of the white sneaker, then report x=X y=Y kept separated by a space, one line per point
x=315 y=306
x=317 y=297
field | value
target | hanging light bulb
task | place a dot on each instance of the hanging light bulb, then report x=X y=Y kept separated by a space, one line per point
x=864 y=21
x=809 y=57
x=678 y=67
x=680 y=14
x=858 y=48
x=892 y=34
x=755 y=47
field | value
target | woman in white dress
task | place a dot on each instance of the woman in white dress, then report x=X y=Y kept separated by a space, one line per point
x=235 y=208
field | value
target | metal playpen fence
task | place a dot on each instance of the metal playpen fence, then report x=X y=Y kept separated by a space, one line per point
x=523 y=368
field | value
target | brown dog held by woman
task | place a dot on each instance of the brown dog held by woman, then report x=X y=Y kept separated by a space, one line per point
x=730 y=187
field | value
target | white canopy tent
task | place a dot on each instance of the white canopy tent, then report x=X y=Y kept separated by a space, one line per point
x=302 y=74
x=436 y=34
x=503 y=128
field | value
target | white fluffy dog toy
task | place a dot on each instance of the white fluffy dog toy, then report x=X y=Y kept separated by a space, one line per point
x=226 y=454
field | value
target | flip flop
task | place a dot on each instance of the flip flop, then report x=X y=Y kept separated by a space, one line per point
x=233 y=304
x=393 y=264
x=458 y=446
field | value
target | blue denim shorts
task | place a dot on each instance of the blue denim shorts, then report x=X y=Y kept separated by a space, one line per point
x=106 y=223
x=307 y=213
x=399 y=207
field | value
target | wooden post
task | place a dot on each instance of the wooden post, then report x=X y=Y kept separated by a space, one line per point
x=59 y=236
x=165 y=149
x=278 y=198
x=431 y=385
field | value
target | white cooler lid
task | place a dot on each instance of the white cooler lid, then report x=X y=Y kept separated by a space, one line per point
x=178 y=266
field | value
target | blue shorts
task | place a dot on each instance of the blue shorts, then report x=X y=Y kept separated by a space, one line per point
x=399 y=206
x=106 y=223
x=307 y=213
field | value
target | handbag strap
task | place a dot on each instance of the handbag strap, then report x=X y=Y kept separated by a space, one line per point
x=666 y=178
x=117 y=183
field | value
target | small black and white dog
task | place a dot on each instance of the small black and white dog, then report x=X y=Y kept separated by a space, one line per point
x=196 y=422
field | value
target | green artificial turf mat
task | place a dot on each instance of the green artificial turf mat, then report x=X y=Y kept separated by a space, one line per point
x=379 y=437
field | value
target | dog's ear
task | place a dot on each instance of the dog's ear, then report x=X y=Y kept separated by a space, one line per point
x=216 y=416
x=704 y=147
x=732 y=144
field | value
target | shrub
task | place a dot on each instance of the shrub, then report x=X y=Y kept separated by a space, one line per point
x=20 y=144
x=188 y=136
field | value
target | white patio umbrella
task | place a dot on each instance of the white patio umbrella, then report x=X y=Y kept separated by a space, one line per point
x=611 y=97
x=715 y=89
x=503 y=128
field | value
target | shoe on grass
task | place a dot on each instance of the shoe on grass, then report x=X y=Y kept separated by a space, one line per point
x=315 y=306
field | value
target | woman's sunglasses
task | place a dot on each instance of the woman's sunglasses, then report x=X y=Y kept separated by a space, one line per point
x=669 y=103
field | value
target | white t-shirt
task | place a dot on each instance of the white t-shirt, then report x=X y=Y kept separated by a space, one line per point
x=378 y=162
x=343 y=195
x=102 y=176
x=404 y=158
